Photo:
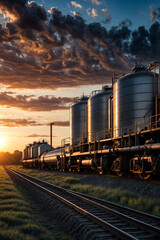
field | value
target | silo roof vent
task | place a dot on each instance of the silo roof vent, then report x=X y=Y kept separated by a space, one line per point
x=106 y=88
x=138 y=67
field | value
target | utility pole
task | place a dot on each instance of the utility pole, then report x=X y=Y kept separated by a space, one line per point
x=51 y=134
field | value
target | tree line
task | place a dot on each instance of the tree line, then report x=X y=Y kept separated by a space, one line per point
x=7 y=158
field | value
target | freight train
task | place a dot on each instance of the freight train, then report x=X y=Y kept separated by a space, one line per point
x=116 y=129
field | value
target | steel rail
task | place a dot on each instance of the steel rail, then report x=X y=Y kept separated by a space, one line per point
x=105 y=225
x=121 y=207
x=107 y=209
x=136 y=212
x=87 y=199
x=125 y=217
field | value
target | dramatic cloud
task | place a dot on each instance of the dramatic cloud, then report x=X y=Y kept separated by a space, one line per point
x=48 y=50
x=107 y=14
x=26 y=15
x=92 y=12
x=125 y=23
x=26 y=122
x=37 y=136
x=155 y=13
x=18 y=122
x=96 y=2
x=77 y=14
x=29 y=103
x=76 y=5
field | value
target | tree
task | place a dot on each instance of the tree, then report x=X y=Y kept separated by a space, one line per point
x=7 y=158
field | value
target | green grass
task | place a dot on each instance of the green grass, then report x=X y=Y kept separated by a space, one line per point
x=13 y=234
x=20 y=217
x=122 y=197
x=117 y=195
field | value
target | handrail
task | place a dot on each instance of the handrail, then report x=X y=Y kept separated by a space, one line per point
x=141 y=124
x=94 y=93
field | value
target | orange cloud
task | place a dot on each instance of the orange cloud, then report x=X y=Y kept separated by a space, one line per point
x=30 y=103
x=33 y=47
x=19 y=122
x=76 y=5
x=28 y=122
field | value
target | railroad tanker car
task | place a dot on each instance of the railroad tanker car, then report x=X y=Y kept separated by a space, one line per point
x=116 y=129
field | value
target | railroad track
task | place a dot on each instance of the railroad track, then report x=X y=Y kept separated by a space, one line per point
x=113 y=221
x=151 y=180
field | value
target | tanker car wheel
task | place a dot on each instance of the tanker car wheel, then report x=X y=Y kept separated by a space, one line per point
x=120 y=174
x=144 y=176
x=100 y=171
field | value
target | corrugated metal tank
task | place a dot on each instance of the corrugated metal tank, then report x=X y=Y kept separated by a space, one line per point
x=98 y=114
x=43 y=147
x=52 y=156
x=25 y=153
x=30 y=151
x=78 y=121
x=133 y=99
x=35 y=150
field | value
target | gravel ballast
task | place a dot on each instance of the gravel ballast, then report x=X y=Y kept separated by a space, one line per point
x=143 y=188
x=71 y=221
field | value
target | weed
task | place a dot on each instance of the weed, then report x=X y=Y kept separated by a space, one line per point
x=32 y=229
x=116 y=195
x=18 y=217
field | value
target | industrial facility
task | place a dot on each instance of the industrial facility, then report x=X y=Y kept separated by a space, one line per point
x=116 y=129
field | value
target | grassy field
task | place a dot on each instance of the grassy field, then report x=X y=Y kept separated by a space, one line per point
x=20 y=218
x=117 y=195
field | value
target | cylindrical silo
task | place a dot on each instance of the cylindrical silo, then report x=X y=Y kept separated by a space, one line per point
x=43 y=147
x=35 y=149
x=98 y=114
x=133 y=99
x=78 y=121
x=30 y=151
x=25 y=153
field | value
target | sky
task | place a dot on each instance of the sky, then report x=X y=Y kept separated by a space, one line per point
x=54 y=50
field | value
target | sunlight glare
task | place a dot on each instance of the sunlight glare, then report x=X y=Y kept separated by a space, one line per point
x=1 y=142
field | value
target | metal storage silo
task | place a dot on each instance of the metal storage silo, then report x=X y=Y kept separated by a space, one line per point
x=98 y=114
x=133 y=99
x=78 y=121
x=25 y=153
x=30 y=151
x=35 y=149
x=43 y=147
